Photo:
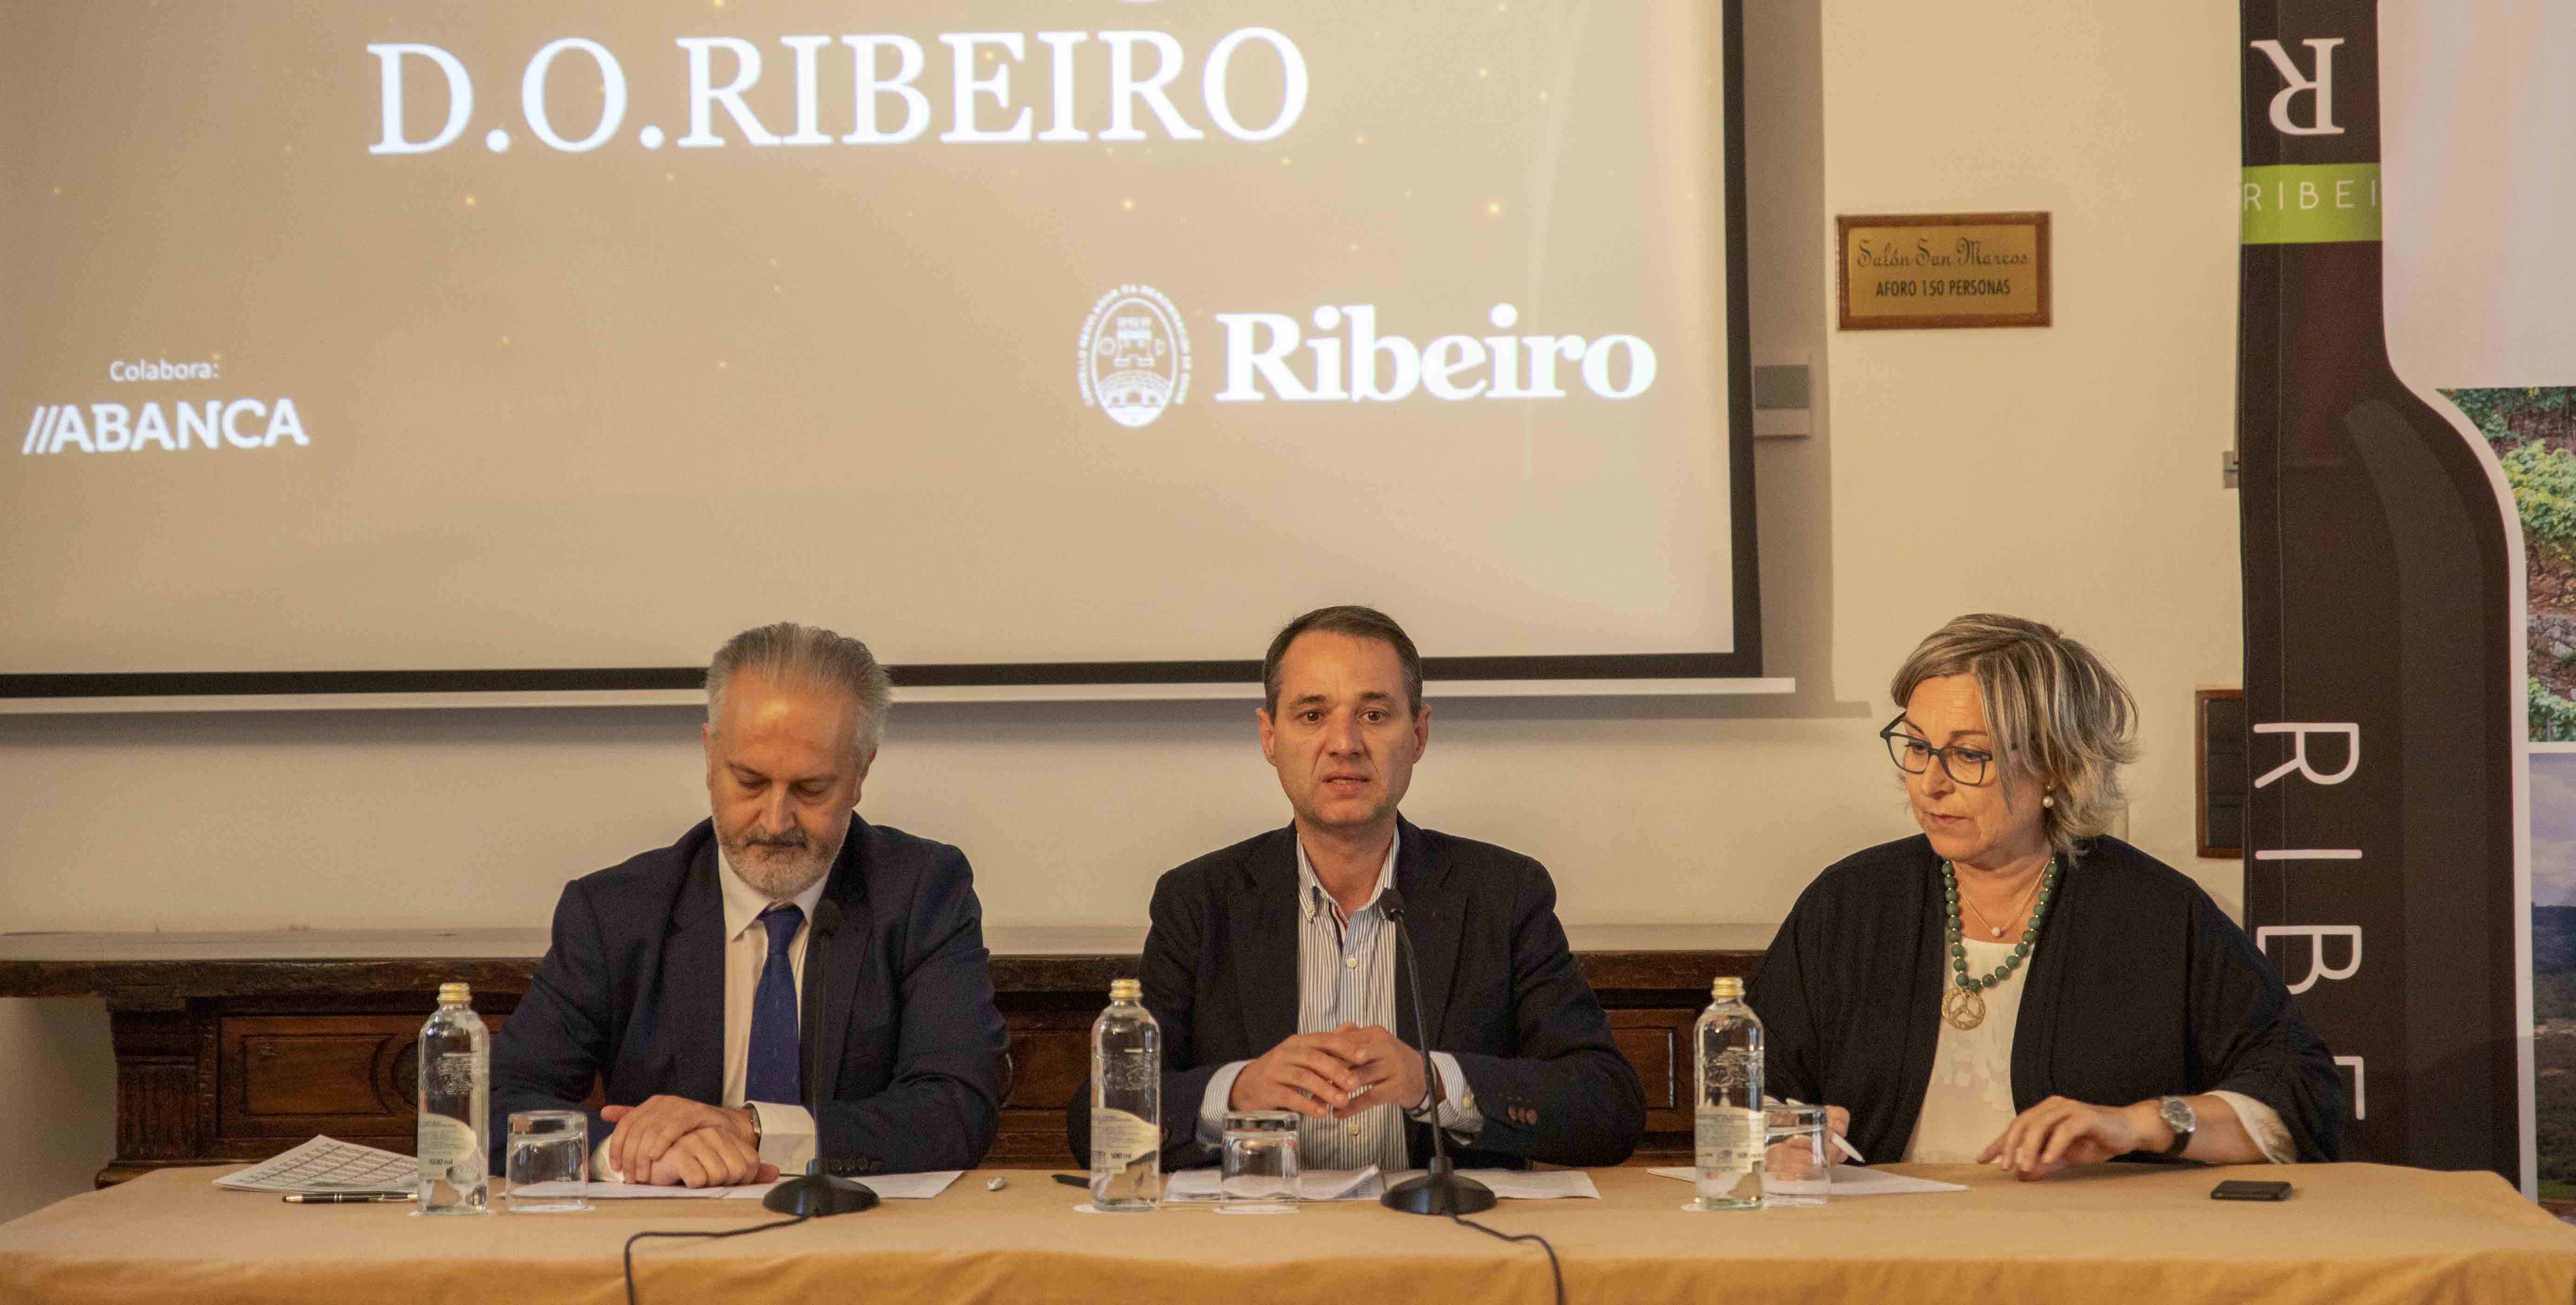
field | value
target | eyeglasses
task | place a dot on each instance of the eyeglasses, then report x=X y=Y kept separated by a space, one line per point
x=1914 y=756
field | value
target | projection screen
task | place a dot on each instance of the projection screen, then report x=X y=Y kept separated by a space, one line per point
x=377 y=345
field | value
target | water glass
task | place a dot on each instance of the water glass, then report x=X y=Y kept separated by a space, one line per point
x=1795 y=1168
x=1260 y=1173
x=551 y=1147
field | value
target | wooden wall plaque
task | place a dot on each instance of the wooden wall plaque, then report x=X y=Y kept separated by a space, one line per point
x=1902 y=271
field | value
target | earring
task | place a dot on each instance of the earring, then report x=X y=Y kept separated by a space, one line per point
x=2047 y=800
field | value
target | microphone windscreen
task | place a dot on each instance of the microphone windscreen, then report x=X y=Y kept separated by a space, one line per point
x=827 y=916
x=1391 y=903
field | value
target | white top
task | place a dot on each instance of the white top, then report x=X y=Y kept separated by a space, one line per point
x=786 y=1128
x=1969 y=1102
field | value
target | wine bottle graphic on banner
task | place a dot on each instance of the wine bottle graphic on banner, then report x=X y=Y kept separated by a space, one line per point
x=2381 y=669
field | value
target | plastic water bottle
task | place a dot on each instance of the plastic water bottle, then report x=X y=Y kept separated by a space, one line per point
x=1728 y=1119
x=1126 y=1103
x=455 y=1126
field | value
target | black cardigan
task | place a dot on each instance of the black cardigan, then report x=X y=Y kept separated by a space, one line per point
x=2139 y=987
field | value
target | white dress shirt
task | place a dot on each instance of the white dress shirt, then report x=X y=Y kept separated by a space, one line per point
x=786 y=1128
x=1346 y=974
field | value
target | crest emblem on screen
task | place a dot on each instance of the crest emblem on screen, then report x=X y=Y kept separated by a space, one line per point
x=1135 y=355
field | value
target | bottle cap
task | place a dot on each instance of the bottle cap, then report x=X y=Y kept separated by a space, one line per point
x=454 y=994
x=1727 y=987
x=1126 y=989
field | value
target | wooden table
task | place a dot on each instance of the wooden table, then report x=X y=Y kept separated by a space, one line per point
x=2353 y=1235
x=235 y=1046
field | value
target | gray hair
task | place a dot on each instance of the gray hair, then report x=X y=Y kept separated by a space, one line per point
x=2056 y=710
x=805 y=654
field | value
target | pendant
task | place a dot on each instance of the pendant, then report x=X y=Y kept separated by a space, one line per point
x=1963 y=1008
x=1994 y=931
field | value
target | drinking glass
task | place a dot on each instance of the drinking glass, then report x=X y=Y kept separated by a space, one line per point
x=1260 y=1173
x=1794 y=1166
x=550 y=1147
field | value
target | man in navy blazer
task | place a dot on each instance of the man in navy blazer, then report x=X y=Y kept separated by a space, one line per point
x=676 y=980
x=1271 y=964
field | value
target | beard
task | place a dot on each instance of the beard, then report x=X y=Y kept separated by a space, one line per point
x=779 y=865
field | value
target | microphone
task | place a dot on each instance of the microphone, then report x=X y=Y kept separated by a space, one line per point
x=818 y=1193
x=1441 y=1191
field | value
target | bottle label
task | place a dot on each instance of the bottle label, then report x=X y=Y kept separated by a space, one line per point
x=1728 y=1138
x=1119 y=1138
x=445 y=1146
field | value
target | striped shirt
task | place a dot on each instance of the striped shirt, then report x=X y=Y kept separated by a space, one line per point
x=1346 y=975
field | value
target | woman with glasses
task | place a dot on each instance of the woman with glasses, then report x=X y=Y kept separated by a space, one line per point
x=2013 y=986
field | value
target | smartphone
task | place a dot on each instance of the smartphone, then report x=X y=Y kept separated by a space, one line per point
x=2238 y=1189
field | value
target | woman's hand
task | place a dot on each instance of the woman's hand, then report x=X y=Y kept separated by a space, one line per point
x=2060 y=1131
x=1785 y=1157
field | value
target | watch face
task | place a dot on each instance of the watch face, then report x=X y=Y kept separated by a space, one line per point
x=2178 y=1113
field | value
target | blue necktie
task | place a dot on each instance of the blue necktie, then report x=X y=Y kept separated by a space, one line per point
x=771 y=1075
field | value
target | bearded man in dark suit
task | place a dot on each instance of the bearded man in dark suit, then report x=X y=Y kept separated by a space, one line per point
x=677 y=980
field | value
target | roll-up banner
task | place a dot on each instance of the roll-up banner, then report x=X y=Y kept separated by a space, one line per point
x=2393 y=397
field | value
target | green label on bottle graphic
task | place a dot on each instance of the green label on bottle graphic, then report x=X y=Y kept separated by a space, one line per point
x=2309 y=203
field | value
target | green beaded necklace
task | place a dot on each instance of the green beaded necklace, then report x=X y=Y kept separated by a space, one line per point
x=1965 y=1004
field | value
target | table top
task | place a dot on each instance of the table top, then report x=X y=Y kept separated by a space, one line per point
x=2351 y=1233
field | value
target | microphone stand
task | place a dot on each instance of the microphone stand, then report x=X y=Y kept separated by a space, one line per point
x=817 y=1193
x=1441 y=1191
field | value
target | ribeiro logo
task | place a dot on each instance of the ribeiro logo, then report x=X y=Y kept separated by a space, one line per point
x=1136 y=359
x=1135 y=355
x=1260 y=361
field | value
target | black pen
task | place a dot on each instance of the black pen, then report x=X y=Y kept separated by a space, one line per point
x=347 y=1198
x=1072 y=1180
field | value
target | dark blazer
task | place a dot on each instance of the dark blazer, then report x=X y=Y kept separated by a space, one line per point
x=1498 y=984
x=632 y=991
x=2139 y=987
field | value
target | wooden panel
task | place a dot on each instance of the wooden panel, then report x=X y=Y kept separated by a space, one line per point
x=1050 y=1061
x=311 y=1074
x=155 y=1119
x=292 y=1076
x=237 y=1059
x=1657 y=1043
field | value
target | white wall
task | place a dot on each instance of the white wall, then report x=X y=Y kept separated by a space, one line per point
x=2082 y=459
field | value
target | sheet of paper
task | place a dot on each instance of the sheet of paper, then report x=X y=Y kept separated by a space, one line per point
x=893 y=1187
x=1193 y=1186
x=327 y=1165
x=1526 y=1184
x=624 y=1191
x=907 y=1187
x=1850 y=1180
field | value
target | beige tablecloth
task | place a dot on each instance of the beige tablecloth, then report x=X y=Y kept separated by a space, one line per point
x=2353 y=1234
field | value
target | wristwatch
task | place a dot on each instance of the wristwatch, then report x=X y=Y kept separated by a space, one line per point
x=2182 y=1119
